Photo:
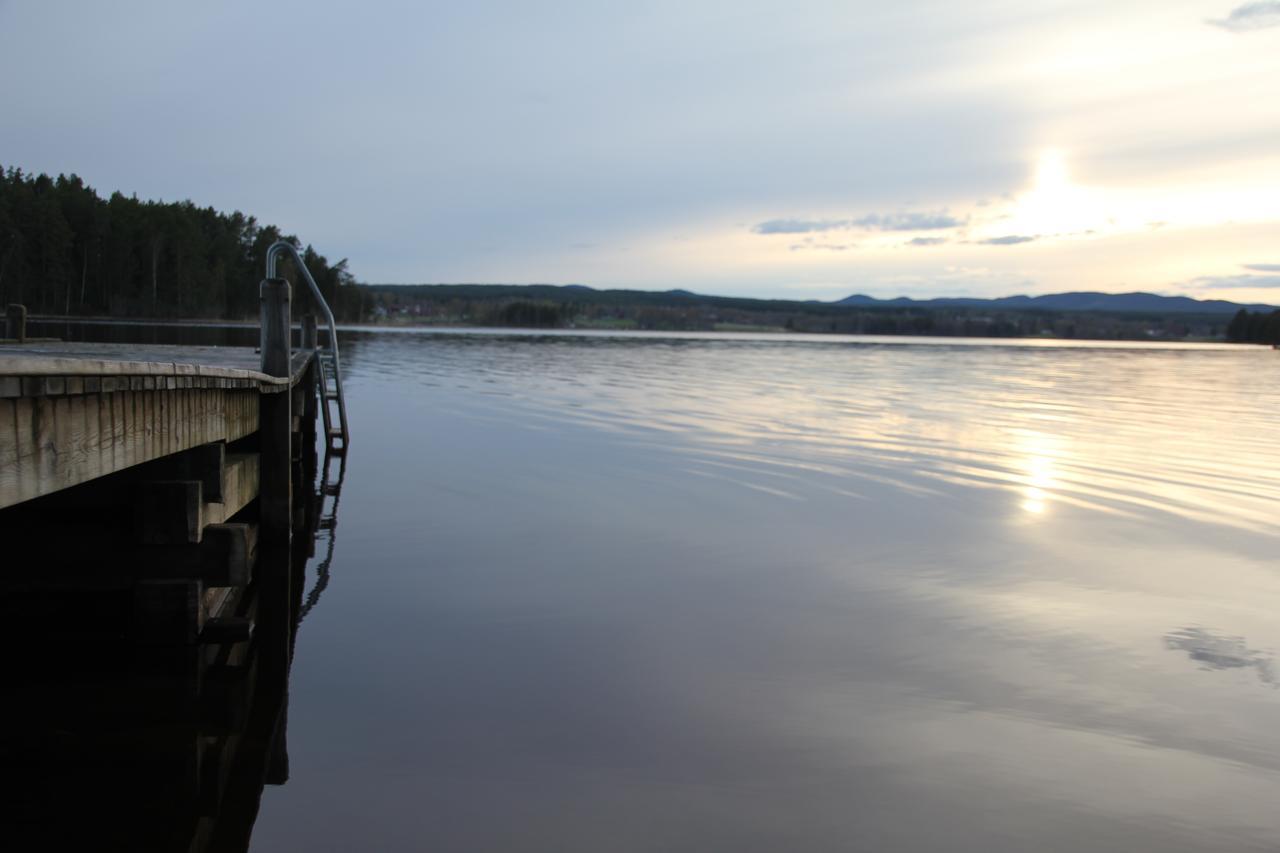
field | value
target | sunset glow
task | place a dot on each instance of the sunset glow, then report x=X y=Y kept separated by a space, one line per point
x=924 y=151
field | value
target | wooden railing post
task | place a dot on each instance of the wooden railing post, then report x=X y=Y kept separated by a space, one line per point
x=273 y=303
x=275 y=416
x=15 y=322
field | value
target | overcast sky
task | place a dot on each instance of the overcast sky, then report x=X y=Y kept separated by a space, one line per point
x=800 y=150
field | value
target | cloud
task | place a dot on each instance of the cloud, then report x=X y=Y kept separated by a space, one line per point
x=927 y=241
x=828 y=247
x=1219 y=651
x=1262 y=267
x=901 y=221
x=908 y=221
x=1235 y=282
x=1250 y=16
x=1007 y=240
x=799 y=226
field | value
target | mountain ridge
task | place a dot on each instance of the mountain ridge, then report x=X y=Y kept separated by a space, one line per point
x=1077 y=300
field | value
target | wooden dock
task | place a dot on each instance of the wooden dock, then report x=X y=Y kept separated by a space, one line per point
x=158 y=505
x=70 y=413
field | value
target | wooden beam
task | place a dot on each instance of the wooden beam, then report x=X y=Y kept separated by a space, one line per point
x=225 y=557
x=172 y=512
x=239 y=486
x=95 y=554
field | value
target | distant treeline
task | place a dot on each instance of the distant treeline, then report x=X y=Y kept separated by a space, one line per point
x=1254 y=327
x=548 y=306
x=65 y=250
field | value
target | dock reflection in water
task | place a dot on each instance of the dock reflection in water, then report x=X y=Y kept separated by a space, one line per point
x=111 y=744
x=761 y=593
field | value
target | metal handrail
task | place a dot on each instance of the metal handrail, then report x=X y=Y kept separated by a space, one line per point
x=273 y=253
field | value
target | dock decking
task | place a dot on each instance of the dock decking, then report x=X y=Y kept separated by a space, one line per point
x=73 y=412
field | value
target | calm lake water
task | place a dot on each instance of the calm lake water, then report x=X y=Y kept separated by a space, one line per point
x=634 y=593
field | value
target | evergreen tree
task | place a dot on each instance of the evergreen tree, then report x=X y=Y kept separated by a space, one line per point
x=65 y=250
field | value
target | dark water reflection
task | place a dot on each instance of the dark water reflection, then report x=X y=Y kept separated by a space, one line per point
x=120 y=733
x=633 y=594
x=625 y=593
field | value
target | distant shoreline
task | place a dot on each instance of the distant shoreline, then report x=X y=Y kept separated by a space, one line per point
x=589 y=331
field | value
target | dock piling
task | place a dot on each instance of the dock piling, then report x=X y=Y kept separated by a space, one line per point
x=274 y=409
x=15 y=322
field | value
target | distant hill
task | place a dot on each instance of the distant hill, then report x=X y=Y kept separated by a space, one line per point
x=1075 y=301
x=1099 y=316
x=1146 y=303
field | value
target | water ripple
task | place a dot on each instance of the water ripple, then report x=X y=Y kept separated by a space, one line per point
x=1183 y=432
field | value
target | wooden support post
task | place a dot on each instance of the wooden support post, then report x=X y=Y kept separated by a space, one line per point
x=309 y=332
x=207 y=464
x=15 y=322
x=272 y=576
x=239 y=486
x=227 y=629
x=275 y=417
x=225 y=557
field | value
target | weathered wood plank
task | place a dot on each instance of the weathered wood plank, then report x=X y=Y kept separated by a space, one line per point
x=10 y=477
x=49 y=443
x=25 y=446
x=239 y=486
x=136 y=360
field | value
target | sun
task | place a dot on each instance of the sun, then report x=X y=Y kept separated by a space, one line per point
x=1051 y=172
x=1054 y=206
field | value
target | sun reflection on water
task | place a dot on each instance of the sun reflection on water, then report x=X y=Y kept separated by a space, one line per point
x=1123 y=431
x=1039 y=452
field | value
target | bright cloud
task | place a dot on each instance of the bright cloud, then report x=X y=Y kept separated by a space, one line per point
x=1251 y=16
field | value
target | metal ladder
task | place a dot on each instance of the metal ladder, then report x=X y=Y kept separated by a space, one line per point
x=330 y=381
x=328 y=373
x=326 y=514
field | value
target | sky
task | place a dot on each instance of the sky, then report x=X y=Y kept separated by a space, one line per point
x=800 y=150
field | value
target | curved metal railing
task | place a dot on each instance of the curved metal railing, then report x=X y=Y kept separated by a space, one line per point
x=329 y=371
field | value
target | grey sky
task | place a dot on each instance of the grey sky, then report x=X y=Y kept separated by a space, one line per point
x=663 y=144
